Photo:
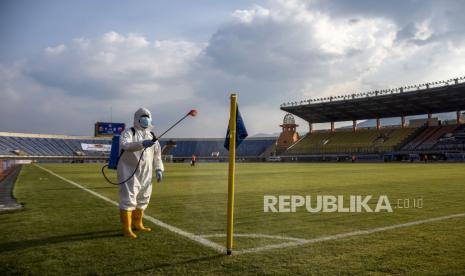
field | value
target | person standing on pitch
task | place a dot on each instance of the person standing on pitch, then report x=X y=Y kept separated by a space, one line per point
x=137 y=143
x=193 y=160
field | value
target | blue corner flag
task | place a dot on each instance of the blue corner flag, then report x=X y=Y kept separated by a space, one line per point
x=241 y=132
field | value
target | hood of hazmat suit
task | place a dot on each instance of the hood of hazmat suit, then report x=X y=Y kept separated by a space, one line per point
x=136 y=192
x=139 y=113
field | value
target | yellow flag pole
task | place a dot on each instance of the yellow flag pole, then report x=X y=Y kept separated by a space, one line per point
x=232 y=163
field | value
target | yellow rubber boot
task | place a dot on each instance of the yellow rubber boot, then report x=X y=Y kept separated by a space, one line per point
x=137 y=217
x=125 y=217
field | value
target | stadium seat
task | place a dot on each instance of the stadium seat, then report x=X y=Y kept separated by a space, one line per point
x=347 y=141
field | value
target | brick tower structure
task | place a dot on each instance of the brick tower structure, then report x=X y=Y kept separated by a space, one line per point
x=289 y=134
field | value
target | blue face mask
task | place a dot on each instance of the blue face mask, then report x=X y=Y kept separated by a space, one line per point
x=145 y=122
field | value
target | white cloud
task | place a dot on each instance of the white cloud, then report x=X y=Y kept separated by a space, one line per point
x=113 y=37
x=118 y=65
x=293 y=51
x=55 y=50
x=284 y=51
x=73 y=85
x=248 y=16
x=423 y=30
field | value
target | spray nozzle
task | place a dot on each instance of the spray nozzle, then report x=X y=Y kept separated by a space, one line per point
x=192 y=113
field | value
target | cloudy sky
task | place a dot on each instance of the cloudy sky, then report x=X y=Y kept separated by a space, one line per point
x=67 y=64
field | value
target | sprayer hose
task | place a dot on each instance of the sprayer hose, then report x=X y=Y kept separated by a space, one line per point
x=132 y=175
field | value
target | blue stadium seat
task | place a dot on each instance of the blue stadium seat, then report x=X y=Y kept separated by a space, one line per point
x=204 y=148
x=184 y=147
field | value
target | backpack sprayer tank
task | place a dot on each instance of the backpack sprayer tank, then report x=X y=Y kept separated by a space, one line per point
x=114 y=154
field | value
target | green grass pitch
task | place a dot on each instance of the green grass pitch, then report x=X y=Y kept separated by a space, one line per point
x=65 y=230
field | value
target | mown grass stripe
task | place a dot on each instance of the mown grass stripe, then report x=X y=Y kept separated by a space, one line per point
x=155 y=221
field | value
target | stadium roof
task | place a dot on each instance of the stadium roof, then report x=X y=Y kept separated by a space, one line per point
x=421 y=99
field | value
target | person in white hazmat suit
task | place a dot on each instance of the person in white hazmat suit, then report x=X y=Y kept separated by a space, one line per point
x=135 y=193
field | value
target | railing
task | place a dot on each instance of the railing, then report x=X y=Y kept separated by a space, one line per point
x=377 y=93
x=342 y=149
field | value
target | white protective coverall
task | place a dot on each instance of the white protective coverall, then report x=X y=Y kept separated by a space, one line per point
x=136 y=192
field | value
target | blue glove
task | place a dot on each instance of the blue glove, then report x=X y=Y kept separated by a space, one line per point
x=159 y=174
x=147 y=143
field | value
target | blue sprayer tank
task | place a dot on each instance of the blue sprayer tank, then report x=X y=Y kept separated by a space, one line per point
x=114 y=154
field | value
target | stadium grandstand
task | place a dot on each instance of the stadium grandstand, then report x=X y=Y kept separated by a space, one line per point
x=412 y=140
x=21 y=146
x=418 y=139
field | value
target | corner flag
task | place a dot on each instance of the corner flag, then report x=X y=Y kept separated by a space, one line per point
x=241 y=131
x=236 y=133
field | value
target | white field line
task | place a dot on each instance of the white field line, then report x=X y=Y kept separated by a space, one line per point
x=155 y=221
x=256 y=236
x=346 y=235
